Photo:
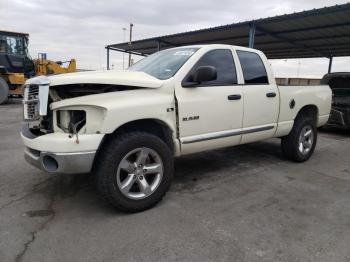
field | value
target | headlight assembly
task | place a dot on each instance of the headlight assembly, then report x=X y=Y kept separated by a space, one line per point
x=71 y=121
x=79 y=119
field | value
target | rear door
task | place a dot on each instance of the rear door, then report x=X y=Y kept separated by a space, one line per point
x=261 y=98
x=210 y=114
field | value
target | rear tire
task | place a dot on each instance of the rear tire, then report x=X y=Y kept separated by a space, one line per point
x=134 y=171
x=300 y=144
x=4 y=91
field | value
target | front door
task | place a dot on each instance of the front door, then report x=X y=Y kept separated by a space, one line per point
x=210 y=113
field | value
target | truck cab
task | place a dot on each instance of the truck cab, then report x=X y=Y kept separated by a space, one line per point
x=244 y=86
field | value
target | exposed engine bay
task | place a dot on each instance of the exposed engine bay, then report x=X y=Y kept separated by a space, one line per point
x=340 y=113
x=61 y=92
x=72 y=120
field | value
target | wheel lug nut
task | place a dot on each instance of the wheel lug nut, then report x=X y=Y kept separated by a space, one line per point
x=134 y=177
x=140 y=177
x=145 y=170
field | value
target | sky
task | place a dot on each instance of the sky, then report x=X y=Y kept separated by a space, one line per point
x=82 y=28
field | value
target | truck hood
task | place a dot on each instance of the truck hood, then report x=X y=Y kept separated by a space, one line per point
x=110 y=77
x=121 y=99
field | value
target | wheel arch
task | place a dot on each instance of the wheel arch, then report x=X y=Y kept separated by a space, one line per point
x=309 y=111
x=149 y=125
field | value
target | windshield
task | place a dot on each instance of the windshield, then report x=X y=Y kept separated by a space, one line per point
x=164 y=64
x=13 y=45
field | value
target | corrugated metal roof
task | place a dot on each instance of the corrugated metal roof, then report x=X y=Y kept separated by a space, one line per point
x=323 y=32
x=13 y=33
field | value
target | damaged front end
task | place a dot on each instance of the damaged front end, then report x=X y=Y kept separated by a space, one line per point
x=74 y=120
x=64 y=116
x=340 y=113
x=61 y=138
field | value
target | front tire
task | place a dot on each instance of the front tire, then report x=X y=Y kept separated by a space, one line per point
x=134 y=171
x=300 y=144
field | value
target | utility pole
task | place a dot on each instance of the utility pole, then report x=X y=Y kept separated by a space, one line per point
x=130 y=37
x=298 y=70
x=124 y=38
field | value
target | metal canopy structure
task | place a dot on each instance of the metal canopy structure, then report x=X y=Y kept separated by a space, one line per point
x=9 y=33
x=323 y=32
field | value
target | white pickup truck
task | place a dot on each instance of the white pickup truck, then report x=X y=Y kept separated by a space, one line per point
x=127 y=126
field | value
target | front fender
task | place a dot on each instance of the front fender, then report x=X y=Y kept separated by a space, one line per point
x=126 y=106
x=158 y=107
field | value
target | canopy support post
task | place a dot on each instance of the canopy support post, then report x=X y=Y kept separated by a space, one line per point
x=252 y=29
x=330 y=64
x=107 y=57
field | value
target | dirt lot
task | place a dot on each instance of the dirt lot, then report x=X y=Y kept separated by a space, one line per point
x=238 y=204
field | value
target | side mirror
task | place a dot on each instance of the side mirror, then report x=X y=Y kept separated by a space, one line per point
x=202 y=74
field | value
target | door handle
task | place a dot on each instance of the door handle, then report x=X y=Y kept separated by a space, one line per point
x=234 y=97
x=272 y=94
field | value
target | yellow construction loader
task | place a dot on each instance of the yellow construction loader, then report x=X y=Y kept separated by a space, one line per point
x=16 y=65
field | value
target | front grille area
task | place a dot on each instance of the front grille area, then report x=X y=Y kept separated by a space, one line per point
x=31 y=102
x=33 y=92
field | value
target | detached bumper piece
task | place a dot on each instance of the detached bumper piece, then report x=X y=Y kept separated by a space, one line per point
x=61 y=163
x=339 y=118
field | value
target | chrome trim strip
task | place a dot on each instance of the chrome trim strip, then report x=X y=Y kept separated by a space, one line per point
x=224 y=134
x=72 y=153
x=258 y=129
x=206 y=137
x=30 y=101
